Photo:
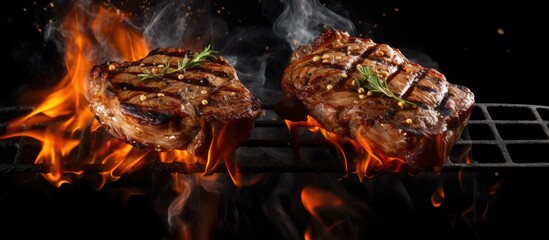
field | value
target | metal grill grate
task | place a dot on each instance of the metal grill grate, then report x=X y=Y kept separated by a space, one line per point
x=497 y=136
x=506 y=135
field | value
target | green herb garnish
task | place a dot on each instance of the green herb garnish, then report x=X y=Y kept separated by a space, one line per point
x=186 y=63
x=375 y=84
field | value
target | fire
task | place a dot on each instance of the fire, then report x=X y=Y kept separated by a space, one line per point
x=313 y=126
x=308 y=235
x=316 y=200
x=177 y=155
x=111 y=28
x=334 y=214
x=67 y=101
x=372 y=159
x=479 y=199
x=367 y=159
x=93 y=34
x=438 y=196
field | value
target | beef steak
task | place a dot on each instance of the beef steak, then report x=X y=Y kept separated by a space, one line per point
x=183 y=110
x=320 y=81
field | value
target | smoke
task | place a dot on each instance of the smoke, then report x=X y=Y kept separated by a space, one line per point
x=420 y=57
x=303 y=20
x=194 y=210
x=273 y=207
x=259 y=58
x=165 y=21
x=184 y=24
x=183 y=185
x=252 y=51
x=196 y=202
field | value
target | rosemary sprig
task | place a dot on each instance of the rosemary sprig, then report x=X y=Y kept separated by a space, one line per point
x=186 y=63
x=375 y=84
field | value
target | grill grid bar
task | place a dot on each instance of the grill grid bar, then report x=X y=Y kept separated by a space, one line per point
x=488 y=115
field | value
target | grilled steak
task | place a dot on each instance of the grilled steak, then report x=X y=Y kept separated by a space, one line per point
x=320 y=82
x=183 y=110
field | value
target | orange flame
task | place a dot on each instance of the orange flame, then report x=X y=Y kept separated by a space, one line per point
x=315 y=200
x=438 y=196
x=177 y=156
x=112 y=28
x=372 y=159
x=92 y=34
x=467 y=182
x=308 y=234
x=222 y=150
x=468 y=158
x=313 y=126
x=368 y=157
x=67 y=100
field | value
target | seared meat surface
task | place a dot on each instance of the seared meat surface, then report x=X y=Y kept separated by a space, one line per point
x=183 y=110
x=320 y=82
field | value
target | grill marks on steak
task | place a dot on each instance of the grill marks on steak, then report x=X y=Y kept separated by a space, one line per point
x=377 y=120
x=169 y=113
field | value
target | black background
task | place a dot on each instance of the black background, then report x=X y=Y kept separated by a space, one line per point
x=460 y=35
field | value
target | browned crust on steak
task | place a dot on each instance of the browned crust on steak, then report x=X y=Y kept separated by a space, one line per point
x=169 y=113
x=437 y=121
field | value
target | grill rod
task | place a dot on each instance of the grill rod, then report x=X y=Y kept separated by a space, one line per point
x=175 y=167
x=484 y=110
